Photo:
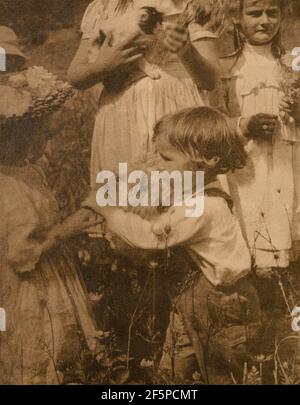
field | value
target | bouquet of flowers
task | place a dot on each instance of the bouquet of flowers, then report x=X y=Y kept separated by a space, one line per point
x=289 y=82
x=290 y=87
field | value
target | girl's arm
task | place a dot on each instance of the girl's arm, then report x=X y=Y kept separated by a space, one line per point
x=200 y=56
x=260 y=126
x=70 y=227
x=83 y=75
x=200 y=59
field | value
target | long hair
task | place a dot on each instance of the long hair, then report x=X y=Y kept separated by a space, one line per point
x=204 y=132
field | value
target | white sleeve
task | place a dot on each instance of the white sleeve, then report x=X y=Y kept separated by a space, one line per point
x=171 y=229
x=197 y=32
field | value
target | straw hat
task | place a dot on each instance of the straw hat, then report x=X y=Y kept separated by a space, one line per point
x=9 y=42
x=32 y=93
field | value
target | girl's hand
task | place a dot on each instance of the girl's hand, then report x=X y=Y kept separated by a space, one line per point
x=259 y=126
x=70 y=227
x=112 y=57
x=176 y=37
x=79 y=222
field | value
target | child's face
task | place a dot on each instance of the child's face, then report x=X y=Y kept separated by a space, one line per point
x=173 y=158
x=260 y=20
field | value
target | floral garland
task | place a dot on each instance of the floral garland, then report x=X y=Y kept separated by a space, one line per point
x=41 y=91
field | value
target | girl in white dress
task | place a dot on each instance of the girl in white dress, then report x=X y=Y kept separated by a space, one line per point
x=127 y=112
x=265 y=192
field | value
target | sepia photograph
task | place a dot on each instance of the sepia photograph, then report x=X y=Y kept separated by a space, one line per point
x=149 y=195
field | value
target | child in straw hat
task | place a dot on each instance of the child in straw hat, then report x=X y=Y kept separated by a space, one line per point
x=48 y=318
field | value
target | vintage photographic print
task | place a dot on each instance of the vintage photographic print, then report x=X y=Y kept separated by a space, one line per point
x=149 y=194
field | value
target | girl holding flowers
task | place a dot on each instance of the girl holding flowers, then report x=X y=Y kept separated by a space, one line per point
x=255 y=90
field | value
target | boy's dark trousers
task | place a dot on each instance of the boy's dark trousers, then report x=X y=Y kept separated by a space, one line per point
x=212 y=330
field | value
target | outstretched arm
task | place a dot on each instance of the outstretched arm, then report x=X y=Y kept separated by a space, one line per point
x=72 y=226
x=200 y=59
x=171 y=229
x=199 y=56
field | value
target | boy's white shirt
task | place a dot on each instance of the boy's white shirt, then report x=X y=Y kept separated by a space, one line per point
x=214 y=240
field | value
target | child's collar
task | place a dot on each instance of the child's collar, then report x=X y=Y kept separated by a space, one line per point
x=258 y=49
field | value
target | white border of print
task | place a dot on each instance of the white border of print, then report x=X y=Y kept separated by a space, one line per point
x=2 y=60
x=2 y=320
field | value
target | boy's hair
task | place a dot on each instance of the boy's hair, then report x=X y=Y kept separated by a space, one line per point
x=204 y=132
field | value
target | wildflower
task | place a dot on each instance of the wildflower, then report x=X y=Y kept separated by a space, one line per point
x=196 y=376
x=100 y=356
x=102 y=335
x=96 y=297
x=114 y=267
x=147 y=363
x=153 y=265
x=260 y=358
x=84 y=257
x=285 y=365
